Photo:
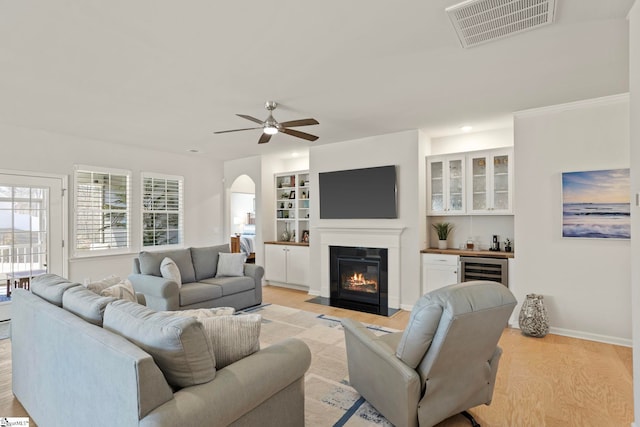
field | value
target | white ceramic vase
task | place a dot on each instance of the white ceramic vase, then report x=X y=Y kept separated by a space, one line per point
x=442 y=244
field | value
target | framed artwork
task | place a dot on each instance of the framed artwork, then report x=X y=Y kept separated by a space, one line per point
x=305 y=236
x=292 y=195
x=595 y=204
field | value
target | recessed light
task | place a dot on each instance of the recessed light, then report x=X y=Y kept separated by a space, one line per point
x=193 y=150
x=466 y=128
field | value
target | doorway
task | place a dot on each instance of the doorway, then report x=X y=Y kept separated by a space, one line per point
x=242 y=215
x=32 y=231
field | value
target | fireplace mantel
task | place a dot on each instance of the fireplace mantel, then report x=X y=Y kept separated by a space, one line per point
x=382 y=237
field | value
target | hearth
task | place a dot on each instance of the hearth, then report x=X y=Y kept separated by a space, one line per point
x=359 y=279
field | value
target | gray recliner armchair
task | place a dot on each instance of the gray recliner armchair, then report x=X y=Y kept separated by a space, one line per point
x=444 y=362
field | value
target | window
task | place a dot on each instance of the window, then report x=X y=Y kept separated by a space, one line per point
x=102 y=210
x=162 y=210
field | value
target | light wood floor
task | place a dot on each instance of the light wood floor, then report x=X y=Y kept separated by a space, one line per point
x=552 y=381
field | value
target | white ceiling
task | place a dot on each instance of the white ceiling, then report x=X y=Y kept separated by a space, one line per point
x=165 y=74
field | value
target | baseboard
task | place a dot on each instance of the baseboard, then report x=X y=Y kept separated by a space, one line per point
x=288 y=286
x=586 y=336
x=314 y=293
x=406 y=307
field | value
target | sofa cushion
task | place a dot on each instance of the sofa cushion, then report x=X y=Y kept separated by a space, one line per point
x=205 y=260
x=178 y=344
x=98 y=286
x=86 y=304
x=233 y=337
x=232 y=285
x=51 y=287
x=230 y=265
x=193 y=293
x=150 y=263
x=123 y=290
x=420 y=330
x=170 y=270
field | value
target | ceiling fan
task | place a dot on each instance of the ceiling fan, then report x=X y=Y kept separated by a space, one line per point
x=271 y=127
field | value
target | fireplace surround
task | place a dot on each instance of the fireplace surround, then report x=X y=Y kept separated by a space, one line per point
x=379 y=237
x=359 y=279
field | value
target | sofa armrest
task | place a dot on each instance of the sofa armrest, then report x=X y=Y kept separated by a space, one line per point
x=160 y=294
x=236 y=389
x=256 y=272
x=395 y=388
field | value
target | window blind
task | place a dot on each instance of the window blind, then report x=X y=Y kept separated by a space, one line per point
x=101 y=209
x=162 y=210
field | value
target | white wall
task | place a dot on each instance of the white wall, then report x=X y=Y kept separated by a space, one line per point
x=585 y=282
x=634 y=88
x=472 y=141
x=400 y=149
x=32 y=150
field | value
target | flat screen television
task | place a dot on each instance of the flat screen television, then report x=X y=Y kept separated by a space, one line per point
x=359 y=193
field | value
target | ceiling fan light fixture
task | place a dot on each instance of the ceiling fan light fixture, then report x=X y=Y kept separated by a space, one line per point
x=270 y=130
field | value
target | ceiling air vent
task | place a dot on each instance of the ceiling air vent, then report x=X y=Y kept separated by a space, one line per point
x=481 y=21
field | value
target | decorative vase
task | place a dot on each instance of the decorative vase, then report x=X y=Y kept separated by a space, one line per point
x=442 y=244
x=533 y=318
x=285 y=236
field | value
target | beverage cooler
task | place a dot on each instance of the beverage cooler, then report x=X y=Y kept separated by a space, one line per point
x=479 y=268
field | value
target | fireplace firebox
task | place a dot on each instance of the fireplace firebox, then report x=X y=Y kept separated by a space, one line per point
x=359 y=279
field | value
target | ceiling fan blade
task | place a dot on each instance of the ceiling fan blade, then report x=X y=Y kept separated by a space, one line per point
x=253 y=119
x=301 y=122
x=264 y=138
x=299 y=134
x=236 y=130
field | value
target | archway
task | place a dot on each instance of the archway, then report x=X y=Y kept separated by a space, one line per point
x=242 y=215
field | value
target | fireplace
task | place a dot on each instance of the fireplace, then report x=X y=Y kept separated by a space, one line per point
x=359 y=279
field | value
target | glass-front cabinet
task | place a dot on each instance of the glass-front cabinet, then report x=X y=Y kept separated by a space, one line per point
x=446 y=185
x=490 y=182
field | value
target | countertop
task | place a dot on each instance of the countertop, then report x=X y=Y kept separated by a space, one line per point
x=465 y=252
x=286 y=243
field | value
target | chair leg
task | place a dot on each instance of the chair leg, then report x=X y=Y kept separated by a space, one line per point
x=472 y=420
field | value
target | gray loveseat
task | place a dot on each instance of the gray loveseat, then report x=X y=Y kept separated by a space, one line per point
x=68 y=371
x=201 y=288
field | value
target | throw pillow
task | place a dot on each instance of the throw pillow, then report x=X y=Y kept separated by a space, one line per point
x=123 y=290
x=230 y=265
x=202 y=313
x=170 y=271
x=100 y=285
x=178 y=344
x=233 y=337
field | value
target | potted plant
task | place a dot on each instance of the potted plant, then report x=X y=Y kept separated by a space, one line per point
x=507 y=245
x=443 y=229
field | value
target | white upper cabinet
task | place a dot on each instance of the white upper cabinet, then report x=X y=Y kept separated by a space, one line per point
x=490 y=182
x=472 y=183
x=446 y=185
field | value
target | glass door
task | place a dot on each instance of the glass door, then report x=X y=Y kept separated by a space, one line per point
x=31 y=230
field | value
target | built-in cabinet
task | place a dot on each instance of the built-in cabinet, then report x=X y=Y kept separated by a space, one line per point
x=439 y=270
x=286 y=261
x=292 y=206
x=490 y=182
x=287 y=264
x=446 y=185
x=473 y=183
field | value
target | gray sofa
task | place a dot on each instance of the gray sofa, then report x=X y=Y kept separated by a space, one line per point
x=68 y=371
x=201 y=288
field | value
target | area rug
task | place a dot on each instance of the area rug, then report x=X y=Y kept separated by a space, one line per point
x=5 y=330
x=329 y=399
